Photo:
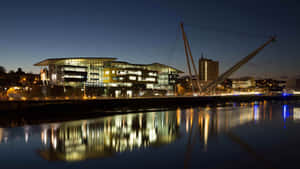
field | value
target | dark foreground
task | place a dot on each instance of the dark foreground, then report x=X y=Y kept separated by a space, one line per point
x=257 y=134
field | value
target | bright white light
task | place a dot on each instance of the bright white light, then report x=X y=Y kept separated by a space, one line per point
x=151 y=79
x=149 y=86
x=75 y=69
x=132 y=77
x=73 y=76
x=26 y=137
x=53 y=76
x=152 y=135
x=240 y=93
x=152 y=74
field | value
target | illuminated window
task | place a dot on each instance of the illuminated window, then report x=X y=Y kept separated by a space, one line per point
x=149 y=86
x=132 y=77
x=43 y=76
x=135 y=72
x=75 y=69
x=107 y=72
x=113 y=72
x=151 y=79
x=152 y=74
x=53 y=76
x=121 y=72
x=73 y=76
x=113 y=84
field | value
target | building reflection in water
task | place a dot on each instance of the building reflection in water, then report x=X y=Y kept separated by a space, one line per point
x=73 y=141
x=215 y=120
x=108 y=136
x=296 y=113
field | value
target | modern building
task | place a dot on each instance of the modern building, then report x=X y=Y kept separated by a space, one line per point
x=270 y=84
x=208 y=69
x=117 y=78
x=243 y=83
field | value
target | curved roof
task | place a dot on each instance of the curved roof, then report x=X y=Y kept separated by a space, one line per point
x=47 y=62
x=81 y=59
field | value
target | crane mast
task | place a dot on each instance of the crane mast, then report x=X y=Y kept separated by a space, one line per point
x=234 y=68
x=188 y=53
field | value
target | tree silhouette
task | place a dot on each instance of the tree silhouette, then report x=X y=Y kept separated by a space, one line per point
x=11 y=72
x=20 y=71
x=2 y=70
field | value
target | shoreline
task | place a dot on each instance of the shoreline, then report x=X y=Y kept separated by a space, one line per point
x=18 y=113
x=123 y=104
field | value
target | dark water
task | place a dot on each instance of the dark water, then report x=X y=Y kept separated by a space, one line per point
x=249 y=135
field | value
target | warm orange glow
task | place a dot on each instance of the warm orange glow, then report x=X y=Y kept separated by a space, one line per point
x=191 y=117
x=178 y=116
x=206 y=128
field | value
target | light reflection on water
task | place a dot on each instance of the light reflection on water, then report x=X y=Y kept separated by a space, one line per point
x=192 y=129
x=104 y=137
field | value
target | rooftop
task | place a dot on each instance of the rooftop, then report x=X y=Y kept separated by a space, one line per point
x=46 y=62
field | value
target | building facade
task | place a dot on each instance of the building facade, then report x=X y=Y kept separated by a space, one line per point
x=270 y=84
x=243 y=83
x=115 y=77
x=208 y=69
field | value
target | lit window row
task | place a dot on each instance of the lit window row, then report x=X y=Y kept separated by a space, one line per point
x=94 y=76
x=152 y=74
x=132 y=77
x=118 y=84
x=149 y=86
x=150 y=79
x=124 y=72
x=75 y=69
x=73 y=76
x=134 y=72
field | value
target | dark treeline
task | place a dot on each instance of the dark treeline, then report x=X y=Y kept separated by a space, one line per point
x=16 y=78
x=11 y=78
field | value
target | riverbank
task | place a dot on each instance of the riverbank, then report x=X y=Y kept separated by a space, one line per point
x=16 y=113
x=124 y=104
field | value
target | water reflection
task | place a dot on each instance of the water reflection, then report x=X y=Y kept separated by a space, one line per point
x=109 y=136
x=106 y=136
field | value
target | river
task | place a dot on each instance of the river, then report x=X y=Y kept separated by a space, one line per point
x=238 y=135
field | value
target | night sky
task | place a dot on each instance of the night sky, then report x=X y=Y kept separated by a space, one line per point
x=147 y=31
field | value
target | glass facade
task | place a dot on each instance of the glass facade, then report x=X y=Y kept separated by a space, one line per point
x=107 y=72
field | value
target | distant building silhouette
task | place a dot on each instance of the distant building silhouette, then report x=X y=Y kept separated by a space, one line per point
x=298 y=84
x=208 y=69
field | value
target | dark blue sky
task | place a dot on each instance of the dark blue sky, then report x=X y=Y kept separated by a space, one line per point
x=147 y=31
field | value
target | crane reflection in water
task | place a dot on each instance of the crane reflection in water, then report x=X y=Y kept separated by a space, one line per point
x=110 y=136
